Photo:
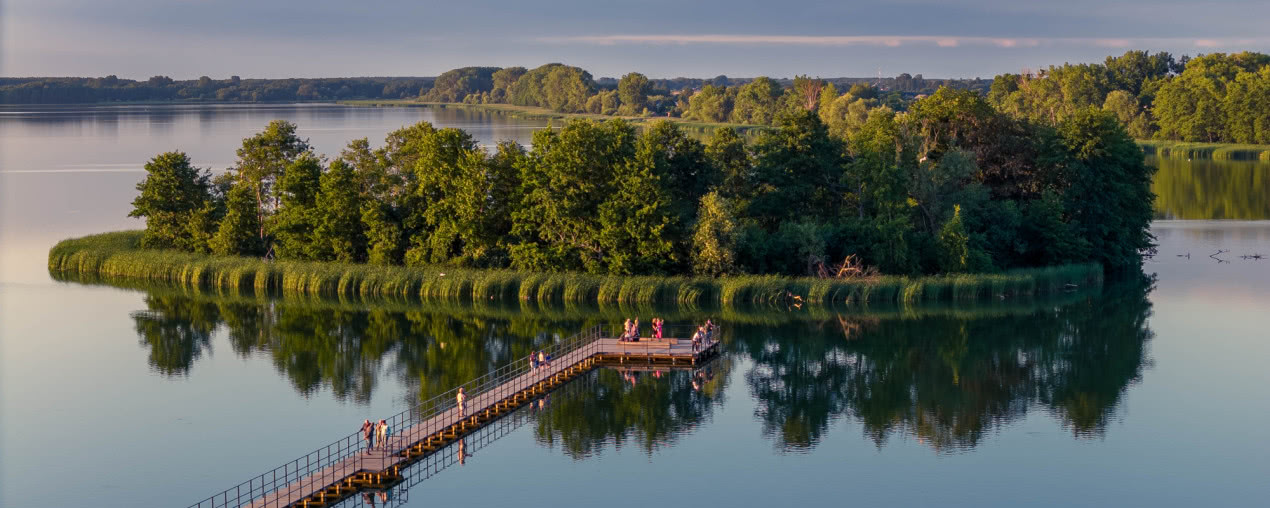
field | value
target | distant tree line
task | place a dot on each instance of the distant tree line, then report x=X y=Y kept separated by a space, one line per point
x=1211 y=98
x=761 y=100
x=163 y=88
x=951 y=185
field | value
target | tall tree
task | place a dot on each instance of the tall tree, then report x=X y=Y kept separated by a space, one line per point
x=293 y=224
x=633 y=89
x=714 y=237
x=238 y=233
x=339 y=234
x=171 y=196
x=262 y=160
x=567 y=175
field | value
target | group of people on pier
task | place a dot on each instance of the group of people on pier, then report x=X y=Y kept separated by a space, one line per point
x=703 y=337
x=376 y=433
x=539 y=359
x=630 y=330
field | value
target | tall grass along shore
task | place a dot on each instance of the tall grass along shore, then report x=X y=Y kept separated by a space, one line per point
x=1213 y=151
x=118 y=255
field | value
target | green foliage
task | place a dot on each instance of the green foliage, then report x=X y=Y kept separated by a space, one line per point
x=757 y=102
x=566 y=177
x=239 y=232
x=710 y=104
x=950 y=186
x=339 y=234
x=1110 y=196
x=797 y=171
x=954 y=244
x=454 y=85
x=176 y=201
x=633 y=90
x=714 y=237
x=554 y=86
x=292 y=226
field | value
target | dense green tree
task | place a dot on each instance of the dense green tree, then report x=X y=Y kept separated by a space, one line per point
x=1247 y=107
x=1110 y=195
x=503 y=79
x=292 y=226
x=714 y=237
x=172 y=194
x=954 y=244
x=454 y=85
x=633 y=90
x=555 y=86
x=384 y=238
x=732 y=162
x=238 y=233
x=339 y=234
x=798 y=169
x=446 y=157
x=757 y=102
x=877 y=176
x=263 y=159
x=566 y=177
x=1127 y=110
x=710 y=104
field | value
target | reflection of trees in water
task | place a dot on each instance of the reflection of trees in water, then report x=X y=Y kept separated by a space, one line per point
x=650 y=408
x=949 y=380
x=176 y=330
x=1208 y=189
x=344 y=349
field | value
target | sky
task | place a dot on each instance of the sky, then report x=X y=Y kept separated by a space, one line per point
x=185 y=39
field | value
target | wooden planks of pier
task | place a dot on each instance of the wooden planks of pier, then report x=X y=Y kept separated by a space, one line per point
x=381 y=467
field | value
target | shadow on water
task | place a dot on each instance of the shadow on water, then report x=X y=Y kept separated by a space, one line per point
x=948 y=376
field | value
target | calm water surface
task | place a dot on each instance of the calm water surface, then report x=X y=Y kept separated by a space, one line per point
x=1138 y=394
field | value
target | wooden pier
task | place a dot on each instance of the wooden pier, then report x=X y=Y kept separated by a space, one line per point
x=382 y=466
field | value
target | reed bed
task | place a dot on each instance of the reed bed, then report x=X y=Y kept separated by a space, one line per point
x=112 y=256
x=1213 y=151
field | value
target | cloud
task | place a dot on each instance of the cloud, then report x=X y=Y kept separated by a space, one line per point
x=943 y=41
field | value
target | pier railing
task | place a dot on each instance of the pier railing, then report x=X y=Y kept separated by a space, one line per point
x=322 y=466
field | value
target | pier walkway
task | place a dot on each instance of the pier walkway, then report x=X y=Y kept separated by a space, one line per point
x=341 y=469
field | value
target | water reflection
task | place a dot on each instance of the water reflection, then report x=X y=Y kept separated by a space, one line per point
x=949 y=381
x=1208 y=189
x=947 y=377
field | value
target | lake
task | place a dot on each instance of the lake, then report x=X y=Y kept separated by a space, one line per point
x=1141 y=394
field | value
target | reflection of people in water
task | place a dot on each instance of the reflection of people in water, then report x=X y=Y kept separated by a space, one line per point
x=368 y=499
x=385 y=496
x=542 y=403
x=463 y=454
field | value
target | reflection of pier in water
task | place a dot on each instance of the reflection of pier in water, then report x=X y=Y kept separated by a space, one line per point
x=458 y=452
x=346 y=468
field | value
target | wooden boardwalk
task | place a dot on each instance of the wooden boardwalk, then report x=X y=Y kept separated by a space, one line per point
x=381 y=467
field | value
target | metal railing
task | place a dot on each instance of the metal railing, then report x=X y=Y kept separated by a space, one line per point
x=349 y=454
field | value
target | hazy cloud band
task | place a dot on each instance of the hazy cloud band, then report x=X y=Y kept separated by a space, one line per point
x=897 y=40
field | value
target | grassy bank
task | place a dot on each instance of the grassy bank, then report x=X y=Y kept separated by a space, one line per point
x=1214 y=151
x=118 y=256
x=538 y=113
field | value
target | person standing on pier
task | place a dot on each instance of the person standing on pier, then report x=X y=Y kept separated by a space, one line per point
x=533 y=360
x=381 y=432
x=368 y=433
x=461 y=400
